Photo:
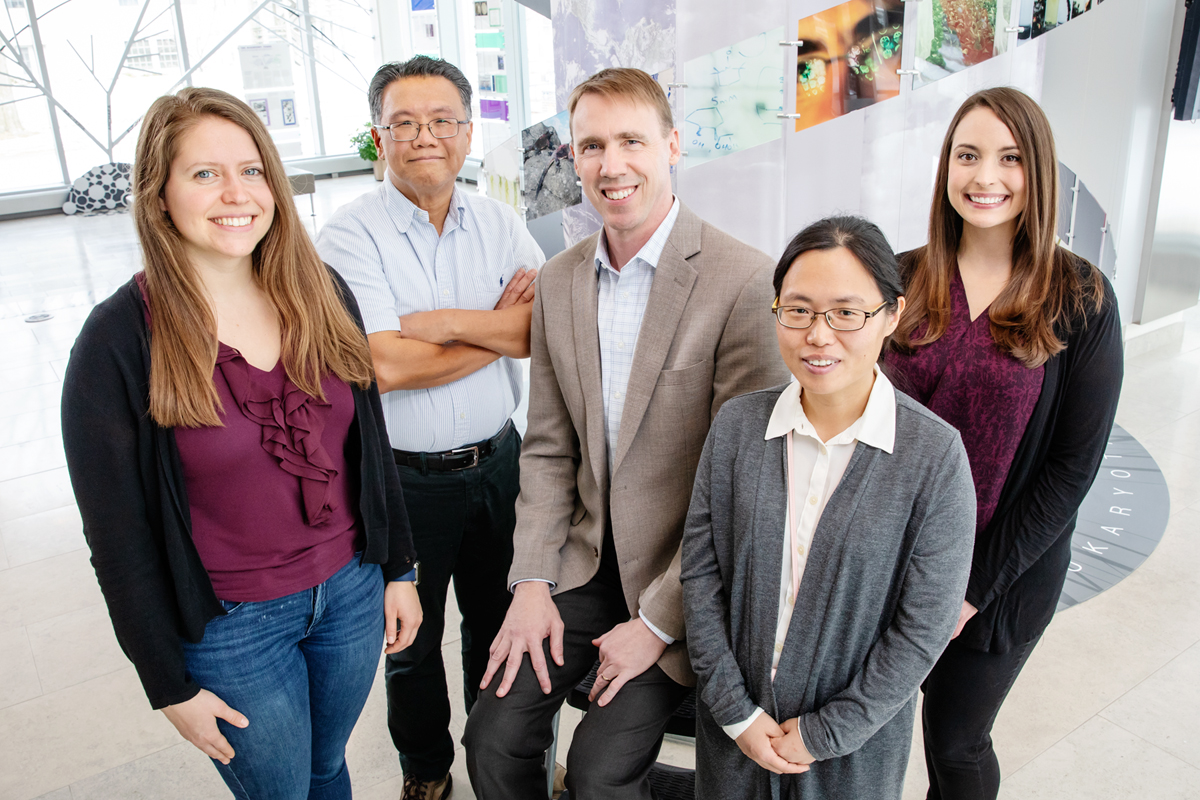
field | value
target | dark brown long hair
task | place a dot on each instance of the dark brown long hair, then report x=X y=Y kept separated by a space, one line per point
x=1047 y=287
x=319 y=335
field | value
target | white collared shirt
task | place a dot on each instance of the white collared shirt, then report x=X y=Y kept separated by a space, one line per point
x=395 y=262
x=818 y=469
x=621 y=304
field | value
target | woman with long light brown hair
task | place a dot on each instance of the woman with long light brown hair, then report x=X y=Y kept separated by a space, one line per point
x=1016 y=342
x=227 y=450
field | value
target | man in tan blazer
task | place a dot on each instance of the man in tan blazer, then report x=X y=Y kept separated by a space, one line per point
x=639 y=334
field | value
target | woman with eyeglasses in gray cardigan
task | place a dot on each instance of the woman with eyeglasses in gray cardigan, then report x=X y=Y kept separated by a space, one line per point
x=827 y=545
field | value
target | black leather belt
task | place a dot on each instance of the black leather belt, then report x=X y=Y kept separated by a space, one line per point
x=459 y=458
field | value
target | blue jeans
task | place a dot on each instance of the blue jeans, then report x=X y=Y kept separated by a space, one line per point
x=300 y=668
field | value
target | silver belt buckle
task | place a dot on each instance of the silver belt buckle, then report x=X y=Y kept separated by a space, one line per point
x=474 y=462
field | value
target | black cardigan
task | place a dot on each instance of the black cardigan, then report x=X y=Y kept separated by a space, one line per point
x=1021 y=557
x=129 y=485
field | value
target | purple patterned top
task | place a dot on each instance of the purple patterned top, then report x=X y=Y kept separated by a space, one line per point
x=269 y=492
x=985 y=393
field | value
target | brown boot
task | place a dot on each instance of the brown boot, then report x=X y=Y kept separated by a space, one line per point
x=560 y=781
x=426 y=790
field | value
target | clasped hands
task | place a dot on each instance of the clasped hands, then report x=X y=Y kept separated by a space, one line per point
x=776 y=747
x=626 y=651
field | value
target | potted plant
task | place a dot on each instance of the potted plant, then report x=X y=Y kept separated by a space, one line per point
x=367 y=150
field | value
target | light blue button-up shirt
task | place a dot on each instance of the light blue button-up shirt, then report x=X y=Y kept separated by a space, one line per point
x=390 y=254
x=621 y=304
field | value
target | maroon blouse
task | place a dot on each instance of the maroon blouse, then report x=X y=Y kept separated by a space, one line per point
x=985 y=393
x=270 y=494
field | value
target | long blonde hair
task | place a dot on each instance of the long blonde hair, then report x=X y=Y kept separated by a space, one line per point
x=1047 y=287
x=319 y=335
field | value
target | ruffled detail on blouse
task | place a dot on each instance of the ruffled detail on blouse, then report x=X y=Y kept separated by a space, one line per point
x=292 y=426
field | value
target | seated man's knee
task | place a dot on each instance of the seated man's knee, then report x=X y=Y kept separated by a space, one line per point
x=497 y=729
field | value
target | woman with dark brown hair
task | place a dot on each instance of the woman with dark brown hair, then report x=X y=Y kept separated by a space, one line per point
x=227 y=449
x=1015 y=342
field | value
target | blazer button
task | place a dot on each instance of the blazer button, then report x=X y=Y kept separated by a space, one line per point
x=595 y=553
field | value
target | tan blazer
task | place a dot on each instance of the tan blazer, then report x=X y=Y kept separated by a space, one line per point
x=707 y=335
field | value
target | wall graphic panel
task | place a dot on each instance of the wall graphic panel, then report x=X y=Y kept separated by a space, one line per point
x=592 y=34
x=952 y=35
x=550 y=180
x=847 y=59
x=734 y=98
x=501 y=176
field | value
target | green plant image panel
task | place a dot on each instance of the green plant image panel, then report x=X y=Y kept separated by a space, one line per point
x=955 y=34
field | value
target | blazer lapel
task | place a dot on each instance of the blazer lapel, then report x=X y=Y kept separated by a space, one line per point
x=587 y=359
x=673 y=281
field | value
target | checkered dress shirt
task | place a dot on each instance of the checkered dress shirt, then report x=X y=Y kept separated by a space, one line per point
x=621 y=304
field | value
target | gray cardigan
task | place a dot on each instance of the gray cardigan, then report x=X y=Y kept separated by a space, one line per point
x=881 y=593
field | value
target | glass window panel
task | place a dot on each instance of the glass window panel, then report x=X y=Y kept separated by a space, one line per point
x=484 y=61
x=263 y=63
x=101 y=97
x=346 y=60
x=539 y=49
x=28 y=157
x=425 y=31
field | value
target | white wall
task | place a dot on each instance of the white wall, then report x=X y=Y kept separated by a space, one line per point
x=1107 y=77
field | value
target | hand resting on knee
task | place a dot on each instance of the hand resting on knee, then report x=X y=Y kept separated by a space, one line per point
x=530 y=619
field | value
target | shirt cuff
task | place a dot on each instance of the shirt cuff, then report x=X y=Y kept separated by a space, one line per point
x=657 y=632
x=513 y=585
x=738 y=728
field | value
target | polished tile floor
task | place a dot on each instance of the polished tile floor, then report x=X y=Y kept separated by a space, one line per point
x=1107 y=707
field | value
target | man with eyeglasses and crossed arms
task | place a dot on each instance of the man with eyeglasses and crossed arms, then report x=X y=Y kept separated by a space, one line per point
x=444 y=278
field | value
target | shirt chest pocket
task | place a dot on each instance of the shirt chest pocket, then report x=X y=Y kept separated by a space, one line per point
x=482 y=286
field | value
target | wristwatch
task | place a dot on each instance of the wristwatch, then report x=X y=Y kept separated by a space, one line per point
x=413 y=576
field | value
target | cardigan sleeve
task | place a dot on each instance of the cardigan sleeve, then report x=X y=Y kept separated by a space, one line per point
x=1079 y=435
x=705 y=605
x=926 y=612
x=379 y=465
x=107 y=435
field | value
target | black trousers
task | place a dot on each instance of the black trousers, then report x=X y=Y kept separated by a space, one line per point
x=462 y=526
x=613 y=747
x=963 y=695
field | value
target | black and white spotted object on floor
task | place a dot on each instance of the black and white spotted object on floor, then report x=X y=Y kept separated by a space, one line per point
x=101 y=190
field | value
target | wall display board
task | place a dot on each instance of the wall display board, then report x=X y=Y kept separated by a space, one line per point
x=952 y=35
x=1087 y=232
x=592 y=34
x=1083 y=226
x=1039 y=16
x=1066 y=201
x=270 y=90
x=733 y=99
x=1121 y=521
x=1108 y=253
x=550 y=180
x=501 y=173
x=847 y=59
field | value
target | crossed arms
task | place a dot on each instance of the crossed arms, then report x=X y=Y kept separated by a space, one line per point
x=433 y=348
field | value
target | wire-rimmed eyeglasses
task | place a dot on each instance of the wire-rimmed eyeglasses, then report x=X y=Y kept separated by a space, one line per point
x=407 y=131
x=839 y=319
